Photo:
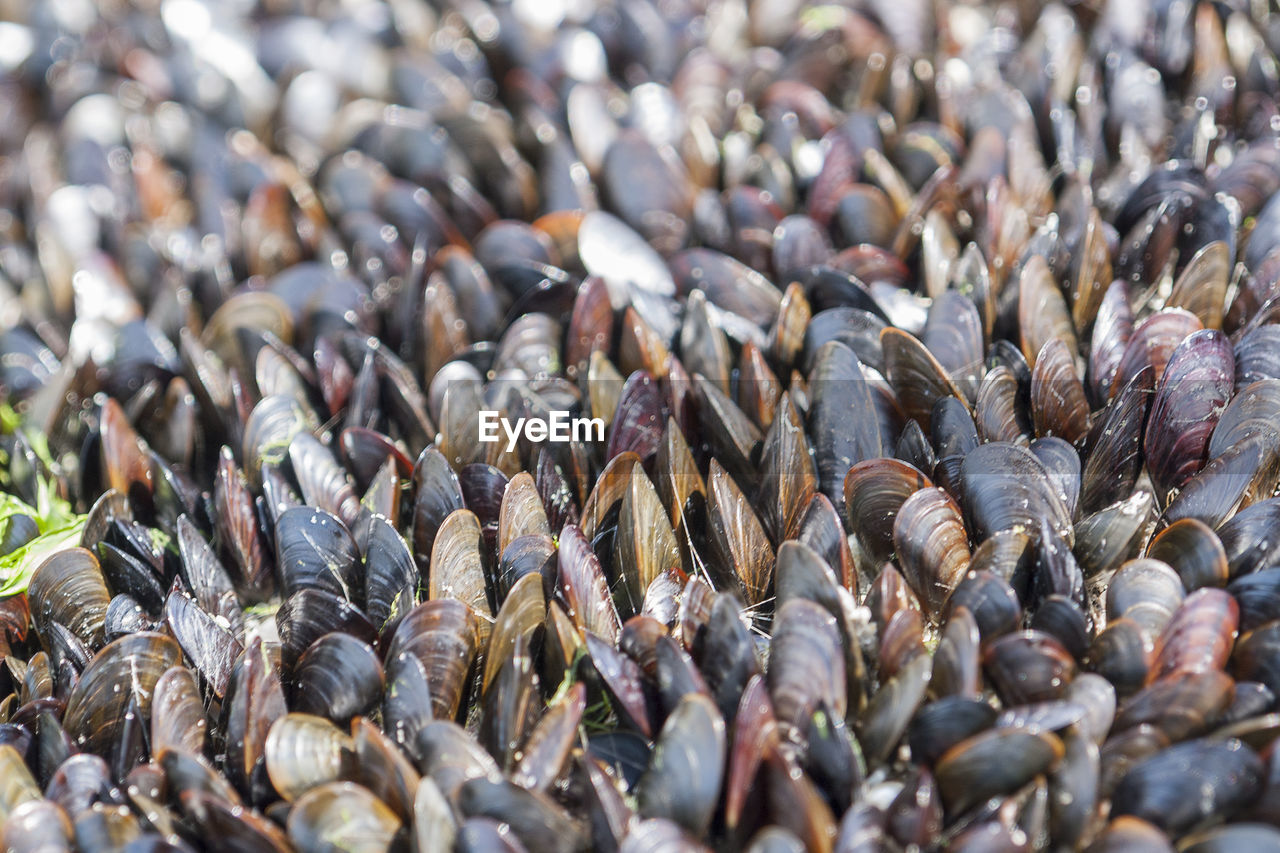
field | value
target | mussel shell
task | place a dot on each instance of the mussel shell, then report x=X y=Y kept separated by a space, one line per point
x=731 y=435
x=991 y=600
x=1042 y=310
x=1058 y=404
x=303 y=752
x=536 y=820
x=315 y=551
x=1254 y=410
x=211 y=647
x=309 y=614
x=856 y=328
x=1062 y=463
x=728 y=654
x=237 y=524
x=1191 y=394
x=437 y=493
x=124 y=462
x=19 y=786
x=255 y=700
x=324 y=483
x=1114 y=534
x=1063 y=619
x=1112 y=328
x=1147 y=591
x=547 y=748
x=1245 y=472
x=590 y=325
x=178 y=717
x=838 y=388
x=338 y=677
x=1258 y=355
x=1131 y=833
x=998 y=411
x=341 y=816
x=390 y=575
x=994 y=762
x=932 y=546
x=823 y=532
x=1193 y=551
x=738 y=539
x=207 y=579
x=873 y=493
x=1182 y=785
x=952 y=428
x=639 y=420
x=37 y=825
x=364 y=451
x=1258 y=595
x=1011 y=554
x=125 y=573
x=434 y=824
x=68 y=588
x=1242 y=836
x=458 y=568
x=442 y=635
x=1248 y=699
x=1180 y=705
x=270 y=429
x=80 y=781
x=1152 y=343
x=1115 y=456
x=1200 y=635
x=914 y=448
x=123 y=673
x=806 y=666
x=918 y=378
x=645 y=544
x=789 y=480
x=406 y=703
x=945 y=722
x=1006 y=487
x=522 y=615
x=957 y=665
x=954 y=334
x=683 y=780
x=124 y=616
x=1028 y=666
x=889 y=712
x=583 y=586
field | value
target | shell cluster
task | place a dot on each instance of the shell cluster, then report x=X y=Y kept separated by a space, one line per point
x=936 y=349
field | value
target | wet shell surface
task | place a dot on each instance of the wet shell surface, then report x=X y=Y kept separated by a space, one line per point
x=630 y=425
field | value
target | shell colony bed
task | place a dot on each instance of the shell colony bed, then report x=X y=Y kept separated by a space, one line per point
x=935 y=349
